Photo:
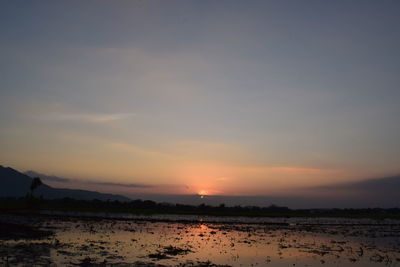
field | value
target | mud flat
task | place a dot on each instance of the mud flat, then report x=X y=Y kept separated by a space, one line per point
x=97 y=241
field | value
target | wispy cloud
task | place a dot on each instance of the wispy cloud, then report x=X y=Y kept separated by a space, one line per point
x=52 y=178
x=123 y=185
x=47 y=177
x=85 y=117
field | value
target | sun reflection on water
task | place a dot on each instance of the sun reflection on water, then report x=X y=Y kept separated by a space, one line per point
x=235 y=245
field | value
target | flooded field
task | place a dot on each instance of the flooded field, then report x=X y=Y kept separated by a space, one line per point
x=197 y=241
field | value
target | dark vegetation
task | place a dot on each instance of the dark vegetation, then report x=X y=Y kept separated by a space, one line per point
x=29 y=204
x=16 y=184
x=23 y=194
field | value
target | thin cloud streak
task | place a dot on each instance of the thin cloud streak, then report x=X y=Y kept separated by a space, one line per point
x=86 y=117
x=52 y=178
x=123 y=185
x=251 y=99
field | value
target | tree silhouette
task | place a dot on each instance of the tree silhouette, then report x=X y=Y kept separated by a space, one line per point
x=36 y=182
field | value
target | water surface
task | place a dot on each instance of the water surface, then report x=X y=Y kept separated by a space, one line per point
x=205 y=241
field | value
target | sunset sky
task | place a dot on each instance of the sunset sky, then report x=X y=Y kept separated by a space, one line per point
x=210 y=97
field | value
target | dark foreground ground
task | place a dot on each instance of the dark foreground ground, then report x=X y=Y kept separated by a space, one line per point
x=48 y=240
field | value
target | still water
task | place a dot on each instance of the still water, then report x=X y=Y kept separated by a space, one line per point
x=208 y=241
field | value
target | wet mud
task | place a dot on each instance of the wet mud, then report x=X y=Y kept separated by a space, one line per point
x=70 y=241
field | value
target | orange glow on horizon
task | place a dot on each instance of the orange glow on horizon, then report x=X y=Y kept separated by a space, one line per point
x=203 y=193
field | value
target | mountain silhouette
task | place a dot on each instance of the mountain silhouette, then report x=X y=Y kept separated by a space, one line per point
x=16 y=184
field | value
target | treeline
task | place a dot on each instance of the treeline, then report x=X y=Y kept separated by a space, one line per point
x=134 y=206
x=151 y=207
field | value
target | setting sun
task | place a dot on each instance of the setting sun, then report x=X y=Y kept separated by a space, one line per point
x=203 y=193
x=199 y=133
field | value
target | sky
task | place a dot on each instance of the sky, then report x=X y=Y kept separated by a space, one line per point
x=201 y=97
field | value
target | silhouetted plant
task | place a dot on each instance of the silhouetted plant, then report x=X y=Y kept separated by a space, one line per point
x=36 y=182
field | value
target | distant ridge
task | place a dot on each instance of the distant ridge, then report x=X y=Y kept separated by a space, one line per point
x=380 y=192
x=16 y=184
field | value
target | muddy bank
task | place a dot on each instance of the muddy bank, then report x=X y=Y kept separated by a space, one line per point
x=73 y=241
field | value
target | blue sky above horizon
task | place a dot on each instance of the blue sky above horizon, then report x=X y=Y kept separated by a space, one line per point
x=228 y=97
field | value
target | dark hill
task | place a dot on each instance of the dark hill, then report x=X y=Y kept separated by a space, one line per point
x=16 y=184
